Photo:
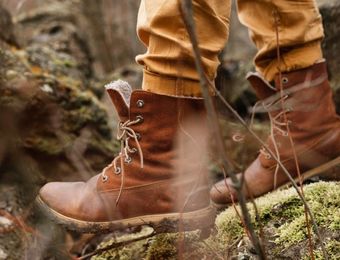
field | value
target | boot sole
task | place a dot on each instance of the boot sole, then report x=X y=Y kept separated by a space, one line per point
x=318 y=171
x=202 y=219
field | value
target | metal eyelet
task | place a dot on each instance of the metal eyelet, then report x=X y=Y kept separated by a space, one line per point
x=268 y=156
x=140 y=119
x=118 y=170
x=134 y=150
x=128 y=160
x=105 y=178
x=138 y=135
x=140 y=103
x=285 y=80
x=285 y=134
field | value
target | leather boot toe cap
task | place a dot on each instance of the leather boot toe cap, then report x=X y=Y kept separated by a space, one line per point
x=220 y=194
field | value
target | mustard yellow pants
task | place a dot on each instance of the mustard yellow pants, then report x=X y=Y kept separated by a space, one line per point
x=169 y=65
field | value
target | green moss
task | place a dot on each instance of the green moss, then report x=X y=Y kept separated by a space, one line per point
x=163 y=247
x=48 y=145
x=292 y=232
x=281 y=214
x=135 y=250
x=228 y=225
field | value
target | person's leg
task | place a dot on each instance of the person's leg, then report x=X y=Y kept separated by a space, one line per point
x=299 y=101
x=169 y=65
x=300 y=29
x=146 y=182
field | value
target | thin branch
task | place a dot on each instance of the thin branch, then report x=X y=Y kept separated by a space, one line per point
x=187 y=14
x=297 y=165
x=116 y=245
x=292 y=181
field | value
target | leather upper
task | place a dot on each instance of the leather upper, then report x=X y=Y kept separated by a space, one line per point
x=160 y=186
x=313 y=125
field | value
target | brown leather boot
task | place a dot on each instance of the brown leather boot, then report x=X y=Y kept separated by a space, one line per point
x=312 y=122
x=143 y=185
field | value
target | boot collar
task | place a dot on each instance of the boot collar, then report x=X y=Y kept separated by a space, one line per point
x=124 y=99
x=120 y=94
x=292 y=82
x=296 y=77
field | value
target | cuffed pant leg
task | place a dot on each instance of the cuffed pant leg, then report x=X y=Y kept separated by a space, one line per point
x=169 y=64
x=300 y=31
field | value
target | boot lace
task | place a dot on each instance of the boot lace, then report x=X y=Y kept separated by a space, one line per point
x=278 y=124
x=124 y=134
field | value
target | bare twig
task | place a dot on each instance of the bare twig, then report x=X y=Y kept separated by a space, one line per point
x=285 y=171
x=205 y=84
x=297 y=166
x=116 y=245
x=187 y=14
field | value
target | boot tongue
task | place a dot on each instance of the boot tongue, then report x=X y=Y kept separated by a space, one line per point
x=120 y=94
x=262 y=87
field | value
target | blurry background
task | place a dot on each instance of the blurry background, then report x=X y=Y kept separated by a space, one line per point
x=56 y=122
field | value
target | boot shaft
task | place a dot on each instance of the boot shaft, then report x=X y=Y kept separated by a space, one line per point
x=151 y=131
x=302 y=114
x=305 y=100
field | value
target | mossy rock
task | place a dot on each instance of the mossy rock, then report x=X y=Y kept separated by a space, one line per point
x=57 y=120
x=282 y=220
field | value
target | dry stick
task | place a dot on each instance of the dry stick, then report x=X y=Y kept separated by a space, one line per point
x=325 y=167
x=187 y=14
x=278 y=54
x=116 y=245
x=205 y=93
x=292 y=181
x=257 y=215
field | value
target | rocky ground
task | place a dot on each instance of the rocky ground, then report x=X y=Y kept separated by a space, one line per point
x=56 y=123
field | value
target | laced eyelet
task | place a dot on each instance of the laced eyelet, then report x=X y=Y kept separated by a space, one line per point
x=138 y=135
x=268 y=156
x=105 y=178
x=128 y=159
x=118 y=170
x=134 y=150
x=140 y=103
x=285 y=80
x=140 y=119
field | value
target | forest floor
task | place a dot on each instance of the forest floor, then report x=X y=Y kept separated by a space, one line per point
x=56 y=123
